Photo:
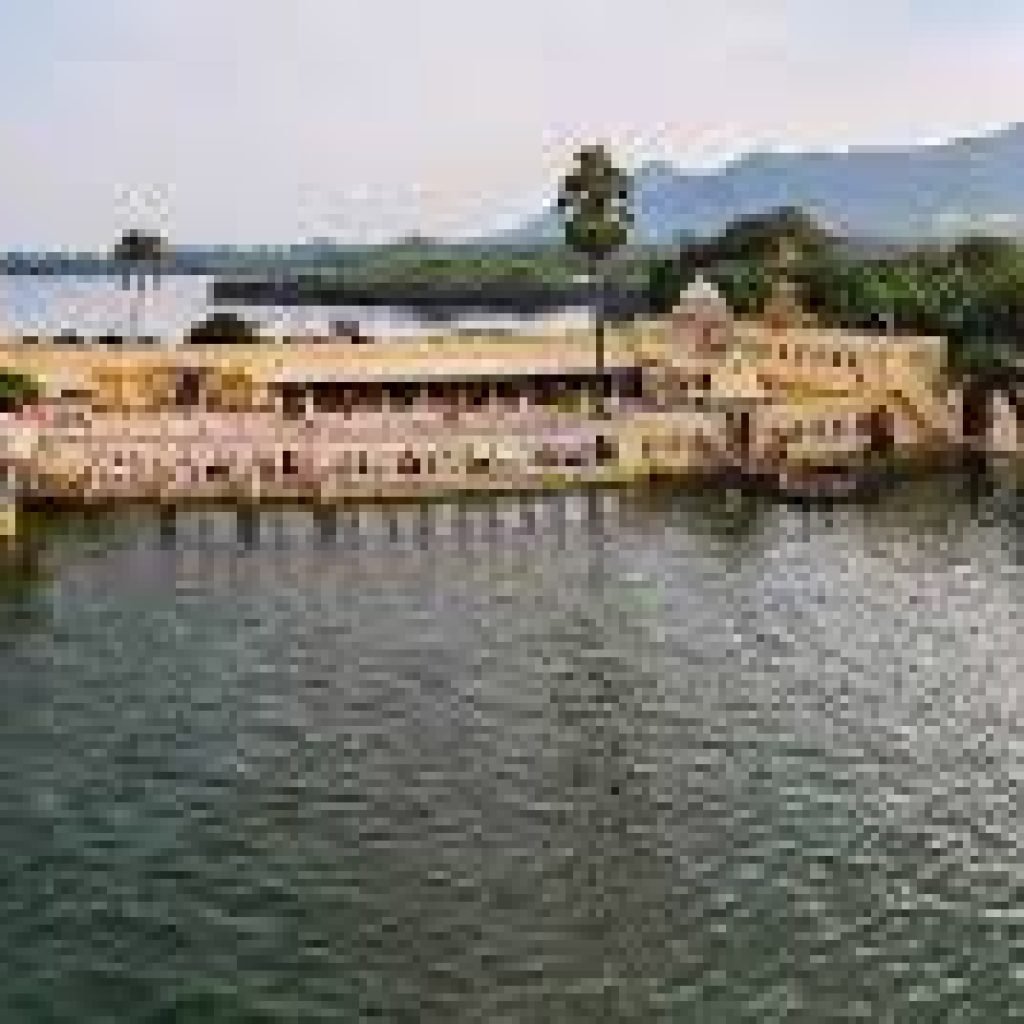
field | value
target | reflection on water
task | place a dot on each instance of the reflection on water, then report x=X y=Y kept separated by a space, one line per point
x=675 y=756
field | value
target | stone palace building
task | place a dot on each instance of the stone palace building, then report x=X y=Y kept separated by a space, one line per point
x=695 y=392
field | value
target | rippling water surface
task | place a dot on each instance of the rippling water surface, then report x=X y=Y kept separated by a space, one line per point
x=676 y=757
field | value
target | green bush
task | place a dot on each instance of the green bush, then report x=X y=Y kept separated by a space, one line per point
x=222 y=329
x=17 y=390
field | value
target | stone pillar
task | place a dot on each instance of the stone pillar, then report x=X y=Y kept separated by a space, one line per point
x=1002 y=435
x=955 y=415
x=614 y=399
x=421 y=401
x=8 y=502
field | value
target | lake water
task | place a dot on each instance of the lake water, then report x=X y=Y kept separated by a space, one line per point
x=680 y=757
x=99 y=305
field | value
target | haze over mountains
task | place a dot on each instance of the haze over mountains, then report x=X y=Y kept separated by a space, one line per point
x=898 y=194
x=925 y=191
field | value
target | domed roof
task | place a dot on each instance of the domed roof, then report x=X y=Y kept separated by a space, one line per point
x=701 y=291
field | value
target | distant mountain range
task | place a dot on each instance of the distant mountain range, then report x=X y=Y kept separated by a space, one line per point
x=877 y=194
x=973 y=184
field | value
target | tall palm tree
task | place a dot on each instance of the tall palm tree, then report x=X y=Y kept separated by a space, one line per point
x=594 y=203
x=139 y=254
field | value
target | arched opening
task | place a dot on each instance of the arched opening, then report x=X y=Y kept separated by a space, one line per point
x=977 y=409
x=881 y=431
x=743 y=433
x=1015 y=396
x=739 y=432
x=188 y=389
x=293 y=401
x=605 y=451
x=408 y=463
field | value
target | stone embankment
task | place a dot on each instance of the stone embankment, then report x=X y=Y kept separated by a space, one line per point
x=254 y=456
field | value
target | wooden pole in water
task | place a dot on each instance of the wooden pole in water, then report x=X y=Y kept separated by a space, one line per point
x=425 y=522
x=168 y=517
x=528 y=513
x=326 y=518
x=595 y=510
x=247 y=524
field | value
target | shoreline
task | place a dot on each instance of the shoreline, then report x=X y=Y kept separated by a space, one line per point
x=872 y=481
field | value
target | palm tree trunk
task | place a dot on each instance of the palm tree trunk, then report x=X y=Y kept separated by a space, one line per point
x=599 y=325
x=140 y=303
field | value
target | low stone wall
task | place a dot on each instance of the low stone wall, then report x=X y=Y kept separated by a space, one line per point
x=326 y=458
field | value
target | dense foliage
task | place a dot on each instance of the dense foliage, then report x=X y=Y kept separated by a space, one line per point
x=136 y=246
x=971 y=291
x=17 y=390
x=463 y=266
x=593 y=201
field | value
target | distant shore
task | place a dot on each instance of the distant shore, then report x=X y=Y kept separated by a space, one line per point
x=437 y=297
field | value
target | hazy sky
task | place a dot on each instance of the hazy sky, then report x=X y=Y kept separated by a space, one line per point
x=279 y=120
